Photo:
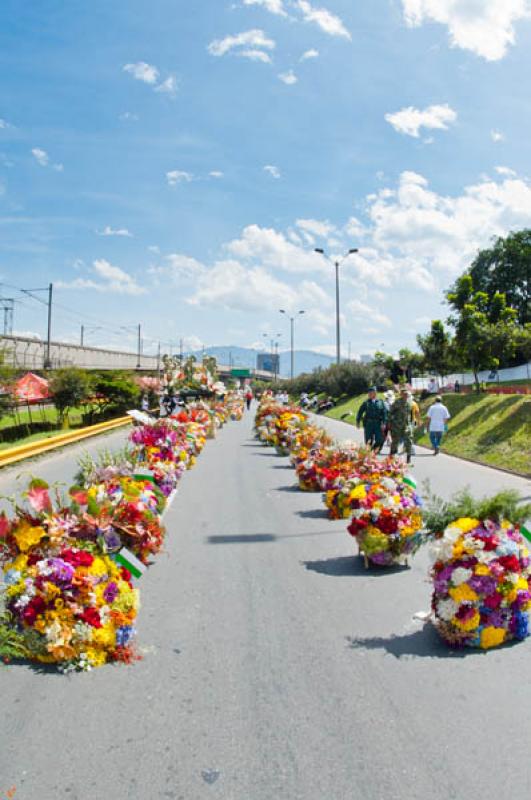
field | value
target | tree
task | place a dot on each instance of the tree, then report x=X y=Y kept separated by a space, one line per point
x=436 y=348
x=505 y=268
x=115 y=393
x=486 y=328
x=70 y=388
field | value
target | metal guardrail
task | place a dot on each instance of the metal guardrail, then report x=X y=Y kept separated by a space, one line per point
x=23 y=451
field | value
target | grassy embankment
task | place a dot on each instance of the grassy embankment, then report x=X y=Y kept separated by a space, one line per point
x=490 y=429
x=37 y=414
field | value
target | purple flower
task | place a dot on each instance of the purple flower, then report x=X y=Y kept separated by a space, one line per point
x=111 y=592
x=483 y=584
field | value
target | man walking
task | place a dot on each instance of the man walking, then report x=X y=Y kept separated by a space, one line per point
x=437 y=418
x=400 y=423
x=373 y=415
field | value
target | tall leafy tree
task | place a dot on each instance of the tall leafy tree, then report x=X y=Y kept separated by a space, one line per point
x=436 y=347
x=505 y=268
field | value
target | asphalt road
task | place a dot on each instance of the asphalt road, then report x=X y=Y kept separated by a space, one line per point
x=275 y=667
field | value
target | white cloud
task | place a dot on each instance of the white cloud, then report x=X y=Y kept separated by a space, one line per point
x=485 y=27
x=41 y=156
x=423 y=234
x=112 y=279
x=289 y=77
x=316 y=227
x=255 y=55
x=168 y=86
x=410 y=120
x=184 y=267
x=328 y=22
x=109 y=231
x=272 y=170
x=128 y=116
x=176 y=176
x=363 y=311
x=141 y=71
x=497 y=136
x=254 y=39
x=216 y=174
x=507 y=172
x=232 y=286
x=154 y=248
x=272 y=249
x=274 y=6
x=4 y=125
x=309 y=54
x=354 y=229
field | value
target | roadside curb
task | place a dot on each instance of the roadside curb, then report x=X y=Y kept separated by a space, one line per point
x=22 y=452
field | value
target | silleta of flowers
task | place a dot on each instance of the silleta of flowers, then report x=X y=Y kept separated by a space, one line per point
x=68 y=594
x=366 y=470
x=386 y=520
x=481 y=583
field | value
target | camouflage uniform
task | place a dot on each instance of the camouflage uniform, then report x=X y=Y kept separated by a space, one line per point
x=373 y=414
x=400 y=425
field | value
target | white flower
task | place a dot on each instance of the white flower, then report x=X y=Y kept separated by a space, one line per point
x=452 y=534
x=461 y=575
x=441 y=550
x=447 y=609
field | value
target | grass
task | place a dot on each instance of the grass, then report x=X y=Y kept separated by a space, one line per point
x=489 y=429
x=38 y=414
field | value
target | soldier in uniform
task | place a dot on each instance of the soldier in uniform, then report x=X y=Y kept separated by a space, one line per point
x=400 y=423
x=373 y=414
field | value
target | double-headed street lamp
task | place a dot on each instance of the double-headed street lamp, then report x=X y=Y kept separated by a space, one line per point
x=337 y=265
x=292 y=321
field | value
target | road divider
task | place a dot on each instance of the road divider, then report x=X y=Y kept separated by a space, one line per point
x=32 y=449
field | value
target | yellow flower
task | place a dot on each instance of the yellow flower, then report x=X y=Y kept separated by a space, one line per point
x=358 y=493
x=481 y=569
x=462 y=594
x=492 y=637
x=467 y=624
x=97 y=658
x=466 y=524
x=522 y=584
x=28 y=536
x=105 y=637
x=99 y=567
x=458 y=550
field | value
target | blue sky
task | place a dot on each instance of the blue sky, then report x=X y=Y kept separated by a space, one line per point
x=175 y=163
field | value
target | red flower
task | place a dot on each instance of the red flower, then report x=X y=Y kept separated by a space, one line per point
x=32 y=610
x=91 y=617
x=510 y=563
x=78 y=559
x=356 y=525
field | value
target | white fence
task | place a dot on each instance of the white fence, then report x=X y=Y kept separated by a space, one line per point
x=467 y=378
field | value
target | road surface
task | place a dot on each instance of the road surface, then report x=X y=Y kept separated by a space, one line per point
x=275 y=667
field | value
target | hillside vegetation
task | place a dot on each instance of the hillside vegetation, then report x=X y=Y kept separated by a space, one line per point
x=490 y=429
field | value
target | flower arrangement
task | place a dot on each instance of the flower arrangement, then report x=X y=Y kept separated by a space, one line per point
x=481 y=569
x=367 y=469
x=386 y=520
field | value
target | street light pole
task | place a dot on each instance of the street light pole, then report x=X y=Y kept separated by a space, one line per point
x=139 y=346
x=292 y=331
x=337 y=264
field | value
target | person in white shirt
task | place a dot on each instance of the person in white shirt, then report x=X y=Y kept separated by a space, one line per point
x=437 y=418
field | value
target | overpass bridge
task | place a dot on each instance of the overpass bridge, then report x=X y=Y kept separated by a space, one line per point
x=26 y=353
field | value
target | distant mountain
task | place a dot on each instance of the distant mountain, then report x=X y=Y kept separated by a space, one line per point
x=245 y=357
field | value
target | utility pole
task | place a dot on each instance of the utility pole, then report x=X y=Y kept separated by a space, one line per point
x=48 y=361
x=139 y=345
x=292 y=331
x=337 y=264
x=81 y=339
x=181 y=353
x=158 y=360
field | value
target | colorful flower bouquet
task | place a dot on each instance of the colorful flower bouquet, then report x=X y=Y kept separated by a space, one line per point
x=481 y=570
x=368 y=469
x=67 y=602
x=386 y=521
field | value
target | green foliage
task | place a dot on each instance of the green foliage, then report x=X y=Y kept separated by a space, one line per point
x=338 y=380
x=70 y=388
x=486 y=329
x=436 y=348
x=438 y=513
x=115 y=392
x=505 y=268
x=11 y=642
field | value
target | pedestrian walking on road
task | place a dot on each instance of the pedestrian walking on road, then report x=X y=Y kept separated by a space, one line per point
x=437 y=421
x=401 y=423
x=372 y=415
x=248 y=398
